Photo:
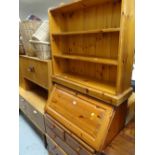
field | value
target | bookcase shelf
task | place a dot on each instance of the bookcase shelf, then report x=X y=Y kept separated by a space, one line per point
x=86 y=81
x=97 y=45
x=108 y=30
x=88 y=59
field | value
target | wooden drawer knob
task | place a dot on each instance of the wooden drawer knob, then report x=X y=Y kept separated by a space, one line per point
x=35 y=112
x=31 y=69
x=92 y=114
x=78 y=149
x=74 y=102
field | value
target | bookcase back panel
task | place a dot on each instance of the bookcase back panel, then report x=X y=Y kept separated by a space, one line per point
x=94 y=71
x=95 y=45
x=60 y=66
x=106 y=15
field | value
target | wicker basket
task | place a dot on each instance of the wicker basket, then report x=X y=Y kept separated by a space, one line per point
x=42 y=33
x=21 y=49
x=42 y=49
x=27 y=29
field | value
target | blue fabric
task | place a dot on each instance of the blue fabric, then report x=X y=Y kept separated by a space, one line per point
x=30 y=143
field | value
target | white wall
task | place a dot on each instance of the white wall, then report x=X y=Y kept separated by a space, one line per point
x=37 y=7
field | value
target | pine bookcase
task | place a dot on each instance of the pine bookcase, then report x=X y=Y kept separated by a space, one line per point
x=93 y=47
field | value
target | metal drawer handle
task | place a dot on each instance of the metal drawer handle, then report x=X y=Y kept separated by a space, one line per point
x=31 y=69
x=34 y=111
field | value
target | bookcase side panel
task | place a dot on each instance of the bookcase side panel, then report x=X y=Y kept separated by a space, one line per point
x=126 y=46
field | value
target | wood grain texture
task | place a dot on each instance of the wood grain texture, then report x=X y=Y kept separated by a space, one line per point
x=87 y=118
x=106 y=97
x=36 y=97
x=120 y=114
x=94 y=39
x=77 y=5
x=126 y=45
x=35 y=85
x=124 y=142
x=37 y=71
x=88 y=82
x=87 y=59
x=87 y=32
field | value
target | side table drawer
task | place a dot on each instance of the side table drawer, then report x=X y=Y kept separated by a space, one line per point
x=36 y=117
x=35 y=71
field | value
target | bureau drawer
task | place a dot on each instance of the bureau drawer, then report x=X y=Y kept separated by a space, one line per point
x=35 y=71
x=75 y=145
x=36 y=117
x=51 y=128
x=63 y=145
x=23 y=105
x=53 y=148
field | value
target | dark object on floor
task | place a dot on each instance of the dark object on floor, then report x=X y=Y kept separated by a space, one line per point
x=133 y=85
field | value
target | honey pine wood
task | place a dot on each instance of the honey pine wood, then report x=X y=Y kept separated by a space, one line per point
x=88 y=32
x=112 y=99
x=32 y=103
x=36 y=97
x=126 y=45
x=124 y=142
x=93 y=45
x=35 y=70
x=35 y=86
x=94 y=122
